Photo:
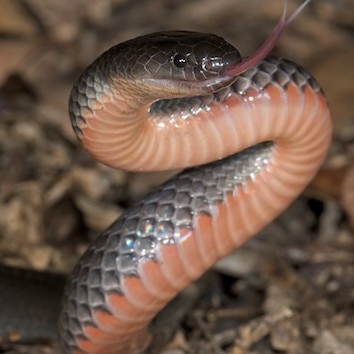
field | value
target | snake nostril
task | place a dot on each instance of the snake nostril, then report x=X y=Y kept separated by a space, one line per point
x=212 y=65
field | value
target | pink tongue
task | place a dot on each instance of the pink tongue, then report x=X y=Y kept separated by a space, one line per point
x=268 y=44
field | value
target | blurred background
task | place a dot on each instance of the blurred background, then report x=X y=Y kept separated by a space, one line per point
x=54 y=198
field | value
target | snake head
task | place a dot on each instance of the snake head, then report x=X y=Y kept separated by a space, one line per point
x=175 y=63
x=189 y=62
x=189 y=56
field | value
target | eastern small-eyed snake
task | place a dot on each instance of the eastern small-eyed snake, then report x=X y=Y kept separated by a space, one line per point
x=169 y=100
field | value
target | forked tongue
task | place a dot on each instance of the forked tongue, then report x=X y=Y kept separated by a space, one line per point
x=268 y=44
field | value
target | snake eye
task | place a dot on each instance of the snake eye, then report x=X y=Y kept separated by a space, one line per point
x=179 y=61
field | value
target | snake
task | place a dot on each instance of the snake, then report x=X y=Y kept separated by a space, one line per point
x=250 y=134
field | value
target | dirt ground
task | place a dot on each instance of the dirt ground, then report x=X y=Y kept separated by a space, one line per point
x=291 y=289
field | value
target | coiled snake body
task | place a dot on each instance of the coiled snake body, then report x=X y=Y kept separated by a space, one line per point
x=172 y=100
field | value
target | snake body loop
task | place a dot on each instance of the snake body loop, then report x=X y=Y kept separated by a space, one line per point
x=172 y=100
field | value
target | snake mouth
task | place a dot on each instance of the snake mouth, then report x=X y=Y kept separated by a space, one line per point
x=186 y=87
